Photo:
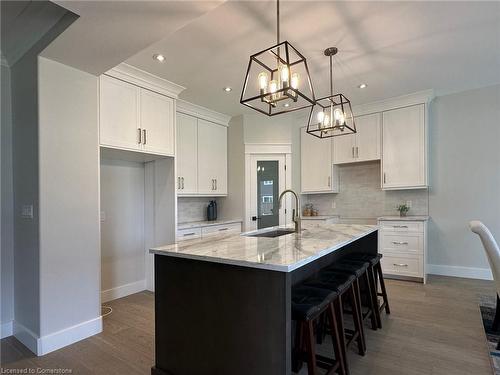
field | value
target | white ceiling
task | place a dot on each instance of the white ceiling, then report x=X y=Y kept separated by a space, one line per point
x=395 y=47
x=109 y=32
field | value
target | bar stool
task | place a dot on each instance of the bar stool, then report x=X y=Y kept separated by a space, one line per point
x=375 y=272
x=343 y=284
x=359 y=268
x=309 y=304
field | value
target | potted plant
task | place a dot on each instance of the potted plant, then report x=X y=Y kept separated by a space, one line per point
x=403 y=209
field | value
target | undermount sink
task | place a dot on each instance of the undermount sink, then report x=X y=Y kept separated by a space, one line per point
x=271 y=233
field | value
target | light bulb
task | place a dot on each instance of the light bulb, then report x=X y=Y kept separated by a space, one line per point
x=263 y=78
x=339 y=117
x=320 y=117
x=273 y=86
x=326 y=121
x=284 y=73
x=295 y=81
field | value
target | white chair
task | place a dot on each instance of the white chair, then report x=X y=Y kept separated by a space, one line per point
x=493 y=254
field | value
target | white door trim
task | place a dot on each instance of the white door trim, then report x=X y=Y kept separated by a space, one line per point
x=256 y=149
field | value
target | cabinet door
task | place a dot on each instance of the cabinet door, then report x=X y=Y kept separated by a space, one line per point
x=212 y=158
x=187 y=154
x=316 y=163
x=119 y=103
x=343 y=149
x=368 y=137
x=157 y=119
x=403 y=148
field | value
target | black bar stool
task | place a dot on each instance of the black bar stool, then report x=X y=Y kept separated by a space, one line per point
x=308 y=305
x=375 y=271
x=359 y=268
x=343 y=284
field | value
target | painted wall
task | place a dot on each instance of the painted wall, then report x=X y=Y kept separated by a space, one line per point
x=69 y=198
x=122 y=223
x=7 y=225
x=465 y=175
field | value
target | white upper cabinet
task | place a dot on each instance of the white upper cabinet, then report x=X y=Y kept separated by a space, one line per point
x=212 y=158
x=362 y=146
x=318 y=174
x=157 y=122
x=136 y=119
x=187 y=154
x=119 y=112
x=404 y=148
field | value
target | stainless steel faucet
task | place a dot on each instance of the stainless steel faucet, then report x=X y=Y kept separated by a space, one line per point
x=296 y=210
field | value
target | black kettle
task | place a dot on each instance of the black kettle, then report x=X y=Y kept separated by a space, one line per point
x=212 y=211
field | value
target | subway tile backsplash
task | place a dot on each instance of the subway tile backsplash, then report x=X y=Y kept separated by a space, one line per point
x=194 y=209
x=361 y=196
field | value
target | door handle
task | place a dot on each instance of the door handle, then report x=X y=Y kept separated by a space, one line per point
x=400 y=264
x=352 y=151
x=178 y=183
x=255 y=218
x=400 y=226
x=139 y=138
x=399 y=243
x=182 y=180
x=215 y=184
x=329 y=181
x=357 y=152
x=384 y=178
x=144 y=135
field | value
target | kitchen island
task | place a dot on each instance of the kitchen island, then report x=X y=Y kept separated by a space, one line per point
x=223 y=304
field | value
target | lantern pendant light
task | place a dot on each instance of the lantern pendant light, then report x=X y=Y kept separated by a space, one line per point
x=277 y=79
x=332 y=115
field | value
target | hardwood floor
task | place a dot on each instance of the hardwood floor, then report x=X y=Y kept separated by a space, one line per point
x=433 y=329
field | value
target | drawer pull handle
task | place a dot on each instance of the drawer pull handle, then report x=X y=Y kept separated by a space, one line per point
x=221 y=229
x=189 y=234
x=399 y=243
x=400 y=264
x=400 y=226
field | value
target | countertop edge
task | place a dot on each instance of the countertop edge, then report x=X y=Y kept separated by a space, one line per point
x=269 y=267
x=204 y=224
x=404 y=218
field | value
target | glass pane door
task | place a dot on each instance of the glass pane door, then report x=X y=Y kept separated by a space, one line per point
x=267 y=193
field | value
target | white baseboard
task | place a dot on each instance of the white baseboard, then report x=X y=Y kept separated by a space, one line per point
x=6 y=329
x=457 y=271
x=57 y=340
x=123 y=291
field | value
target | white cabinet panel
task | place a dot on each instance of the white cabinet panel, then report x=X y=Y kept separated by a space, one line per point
x=404 y=159
x=157 y=122
x=119 y=111
x=187 y=154
x=212 y=158
x=343 y=149
x=368 y=137
x=317 y=171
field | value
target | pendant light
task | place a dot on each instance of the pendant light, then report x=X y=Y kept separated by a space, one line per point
x=277 y=79
x=331 y=116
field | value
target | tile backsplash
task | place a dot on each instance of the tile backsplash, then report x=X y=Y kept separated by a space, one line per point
x=361 y=196
x=195 y=209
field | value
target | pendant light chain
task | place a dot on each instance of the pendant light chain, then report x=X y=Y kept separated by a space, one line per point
x=331 y=75
x=278 y=22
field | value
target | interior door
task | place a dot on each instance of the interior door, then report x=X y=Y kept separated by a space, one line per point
x=268 y=180
x=157 y=118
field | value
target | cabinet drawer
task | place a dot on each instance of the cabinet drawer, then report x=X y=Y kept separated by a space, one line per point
x=394 y=264
x=218 y=229
x=402 y=243
x=188 y=234
x=402 y=226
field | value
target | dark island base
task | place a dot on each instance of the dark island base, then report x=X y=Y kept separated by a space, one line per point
x=213 y=318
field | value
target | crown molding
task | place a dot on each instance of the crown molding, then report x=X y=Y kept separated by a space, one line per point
x=139 y=77
x=419 y=97
x=202 y=112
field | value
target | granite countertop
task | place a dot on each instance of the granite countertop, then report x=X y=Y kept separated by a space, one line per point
x=285 y=253
x=405 y=218
x=320 y=217
x=200 y=224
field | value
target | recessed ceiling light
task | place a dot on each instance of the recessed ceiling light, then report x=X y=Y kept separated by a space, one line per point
x=159 y=57
x=227 y=89
x=362 y=85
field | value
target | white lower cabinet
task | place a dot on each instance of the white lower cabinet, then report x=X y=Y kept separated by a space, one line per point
x=207 y=231
x=403 y=244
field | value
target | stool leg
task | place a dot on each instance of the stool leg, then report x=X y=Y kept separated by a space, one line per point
x=374 y=296
x=358 y=319
x=340 y=323
x=337 y=343
x=311 y=350
x=297 y=350
x=382 y=287
x=369 y=298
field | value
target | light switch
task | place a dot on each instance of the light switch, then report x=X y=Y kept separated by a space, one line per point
x=27 y=211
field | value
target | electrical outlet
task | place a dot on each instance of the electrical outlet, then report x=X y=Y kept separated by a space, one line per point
x=408 y=203
x=27 y=211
